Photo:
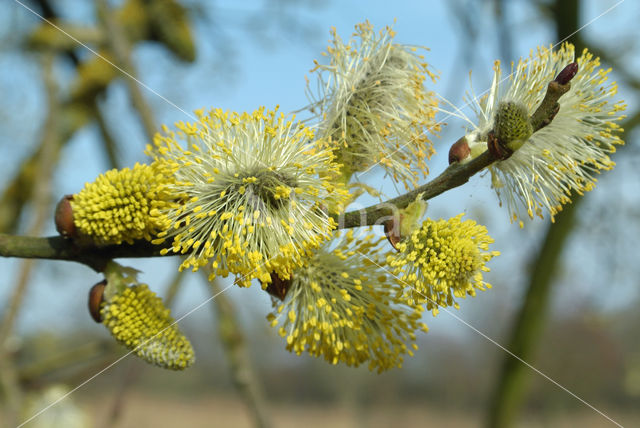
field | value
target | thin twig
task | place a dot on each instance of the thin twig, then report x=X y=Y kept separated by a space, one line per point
x=120 y=48
x=41 y=199
x=108 y=142
x=175 y=284
x=61 y=363
x=131 y=374
x=233 y=341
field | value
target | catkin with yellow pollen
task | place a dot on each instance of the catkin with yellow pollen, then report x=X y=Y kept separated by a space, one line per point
x=562 y=158
x=123 y=205
x=442 y=260
x=343 y=307
x=257 y=192
x=138 y=319
x=373 y=106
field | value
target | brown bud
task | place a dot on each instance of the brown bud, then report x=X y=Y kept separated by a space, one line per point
x=392 y=231
x=96 y=297
x=64 y=217
x=498 y=150
x=567 y=73
x=459 y=151
x=278 y=287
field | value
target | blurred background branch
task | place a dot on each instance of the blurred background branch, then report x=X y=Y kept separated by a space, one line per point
x=41 y=202
x=233 y=340
x=512 y=385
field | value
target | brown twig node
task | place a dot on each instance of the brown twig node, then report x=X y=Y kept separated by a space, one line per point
x=392 y=231
x=497 y=150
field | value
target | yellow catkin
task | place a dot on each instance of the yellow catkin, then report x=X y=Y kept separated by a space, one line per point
x=137 y=318
x=256 y=195
x=373 y=106
x=123 y=205
x=562 y=158
x=341 y=306
x=443 y=260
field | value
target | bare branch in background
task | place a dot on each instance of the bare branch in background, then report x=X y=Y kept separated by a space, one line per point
x=234 y=343
x=41 y=204
x=121 y=50
x=512 y=385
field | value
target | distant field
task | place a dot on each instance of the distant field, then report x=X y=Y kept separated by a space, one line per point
x=216 y=411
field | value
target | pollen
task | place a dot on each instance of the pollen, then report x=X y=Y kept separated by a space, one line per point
x=124 y=205
x=138 y=319
x=266 y=171
x=347 y=309
x=372 y=106
x=443 y=260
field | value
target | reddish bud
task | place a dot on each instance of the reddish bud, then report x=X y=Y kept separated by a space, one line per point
x=278 y=287
x=64 y=217
x=392 y=231
x=96 y=297
x=567 y=73
x=459 y=151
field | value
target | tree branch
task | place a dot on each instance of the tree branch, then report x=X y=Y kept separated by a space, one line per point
x=119 y=46
x=59 y=248
x=456 y=174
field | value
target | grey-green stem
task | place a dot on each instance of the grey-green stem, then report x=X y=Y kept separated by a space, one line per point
x=59 y=248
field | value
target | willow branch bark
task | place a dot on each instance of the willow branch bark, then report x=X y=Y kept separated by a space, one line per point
x=58 y=248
